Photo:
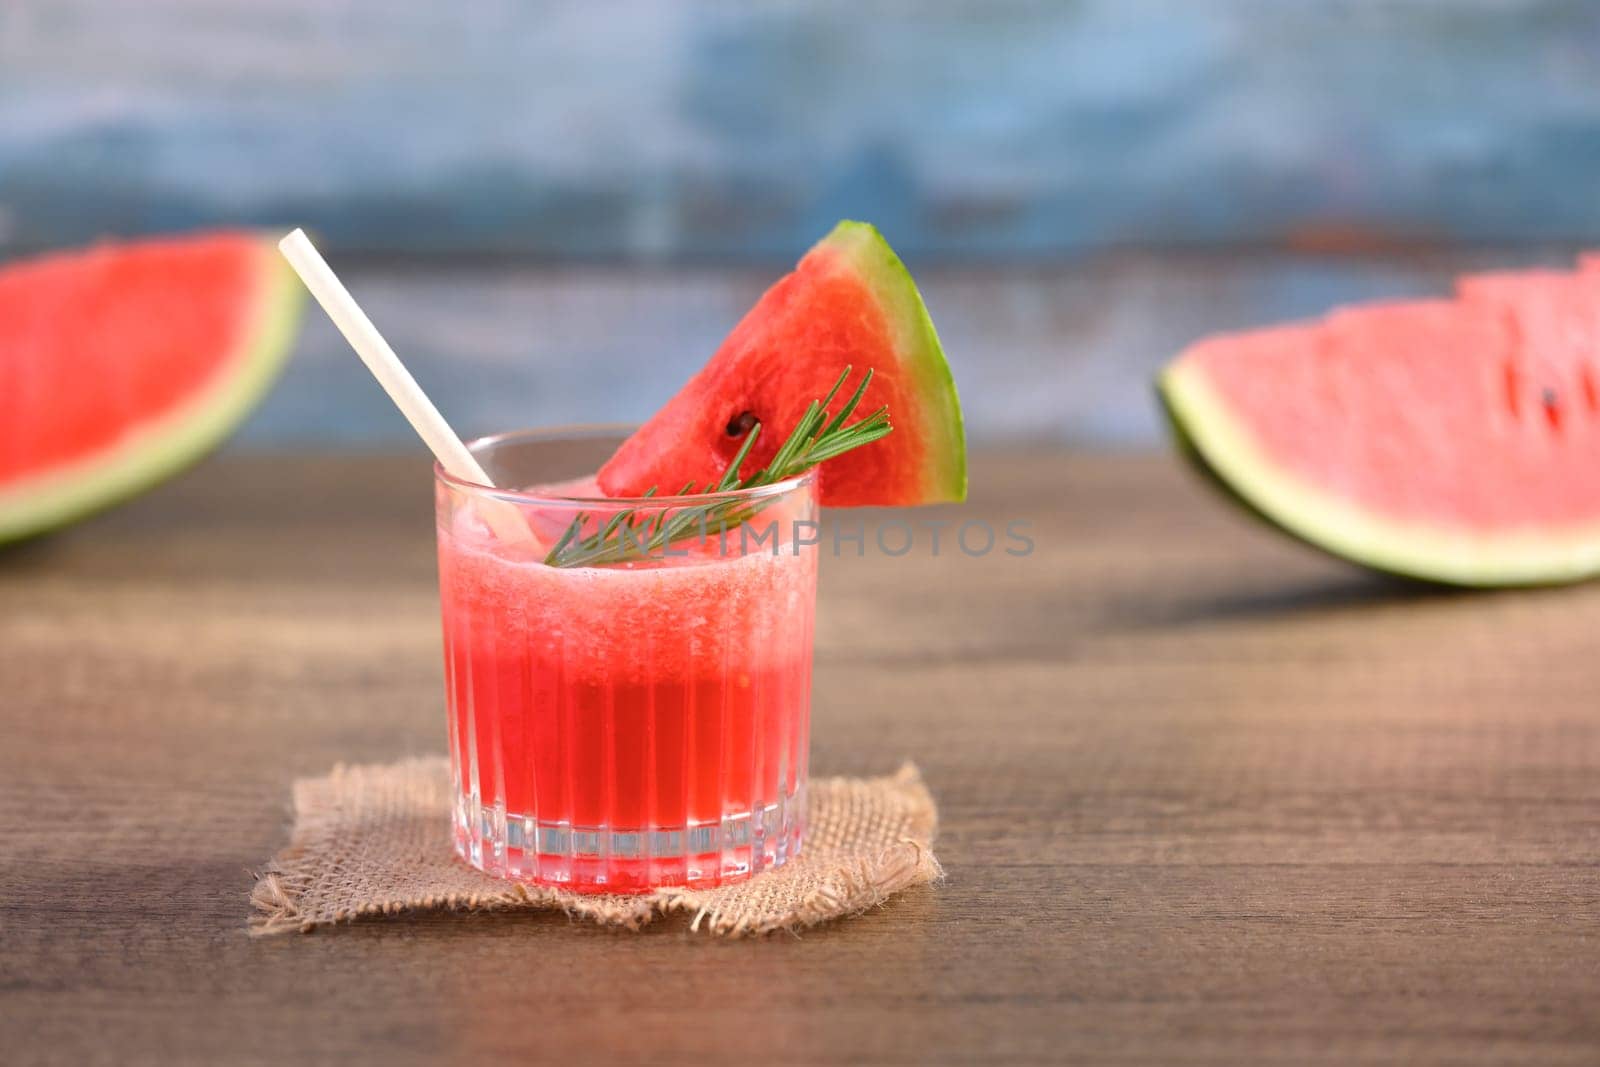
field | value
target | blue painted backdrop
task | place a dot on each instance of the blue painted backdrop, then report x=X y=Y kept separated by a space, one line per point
x=648 y=131
x=1082 y=186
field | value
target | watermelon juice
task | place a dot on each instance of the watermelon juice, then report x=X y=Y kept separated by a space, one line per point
x=627 y=725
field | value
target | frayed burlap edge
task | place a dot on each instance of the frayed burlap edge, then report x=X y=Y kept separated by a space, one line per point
x=375 y=841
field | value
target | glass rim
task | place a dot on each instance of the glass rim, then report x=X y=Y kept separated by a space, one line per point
x=592 y=431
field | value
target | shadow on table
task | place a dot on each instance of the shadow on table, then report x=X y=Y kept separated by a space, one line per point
x=1356 y=591
x=30 y=555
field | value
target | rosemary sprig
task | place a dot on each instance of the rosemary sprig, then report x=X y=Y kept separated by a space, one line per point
x=630 y=534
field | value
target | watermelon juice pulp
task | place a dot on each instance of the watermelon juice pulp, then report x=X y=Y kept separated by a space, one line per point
x=618 y=727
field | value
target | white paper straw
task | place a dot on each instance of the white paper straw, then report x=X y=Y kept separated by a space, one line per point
x=506 y=521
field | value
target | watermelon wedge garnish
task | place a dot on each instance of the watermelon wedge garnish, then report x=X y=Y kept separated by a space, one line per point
x=123 y=363
x=849 y=303
x=1454 y=441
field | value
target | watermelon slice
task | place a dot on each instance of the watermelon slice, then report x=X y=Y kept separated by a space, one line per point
x=849 y=302
x=1450 y=441
x=121 y=364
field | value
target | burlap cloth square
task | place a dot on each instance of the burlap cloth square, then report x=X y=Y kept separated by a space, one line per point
x=375 y=840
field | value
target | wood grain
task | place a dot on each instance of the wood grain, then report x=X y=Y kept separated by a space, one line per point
x=1207 y=798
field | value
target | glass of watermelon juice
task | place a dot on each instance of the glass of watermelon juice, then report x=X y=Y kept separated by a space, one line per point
x=623 y=726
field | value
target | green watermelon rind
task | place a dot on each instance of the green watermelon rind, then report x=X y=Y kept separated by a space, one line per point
x=177 y=439
x=1212 y=437
x=922 y=355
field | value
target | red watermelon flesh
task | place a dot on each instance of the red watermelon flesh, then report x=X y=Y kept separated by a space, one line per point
x=122 y=363
x=849 y=302
x=1456 y=441
x=1553 y=370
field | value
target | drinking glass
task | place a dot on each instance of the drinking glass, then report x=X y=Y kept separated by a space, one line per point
x=620 y=726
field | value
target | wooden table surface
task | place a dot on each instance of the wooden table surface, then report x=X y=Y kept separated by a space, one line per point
x=1206 y=797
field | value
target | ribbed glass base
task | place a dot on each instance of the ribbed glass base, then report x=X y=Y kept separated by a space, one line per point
x=599 y=859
